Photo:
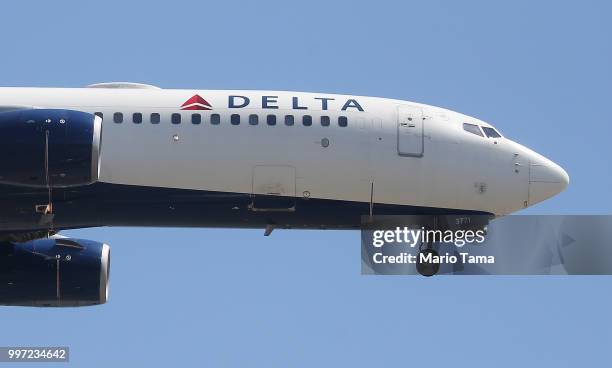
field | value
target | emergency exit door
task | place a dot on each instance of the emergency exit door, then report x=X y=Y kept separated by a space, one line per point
x=410 y=131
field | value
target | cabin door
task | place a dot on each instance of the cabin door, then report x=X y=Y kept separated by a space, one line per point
x=410 y=131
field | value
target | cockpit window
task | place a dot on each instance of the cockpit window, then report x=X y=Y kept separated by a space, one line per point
x=491 y=133
x=474 y=129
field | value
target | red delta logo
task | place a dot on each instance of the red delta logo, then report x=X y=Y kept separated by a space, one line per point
x=196 y=103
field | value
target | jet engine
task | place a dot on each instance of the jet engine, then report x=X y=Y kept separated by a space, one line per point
x=47 y=147
x=54 y=272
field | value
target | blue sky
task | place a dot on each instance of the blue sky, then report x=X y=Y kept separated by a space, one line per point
x=539 y=71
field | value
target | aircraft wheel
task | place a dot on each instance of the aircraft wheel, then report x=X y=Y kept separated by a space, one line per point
x=427 y=269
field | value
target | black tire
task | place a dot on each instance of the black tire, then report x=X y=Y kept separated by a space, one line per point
x=427 y=269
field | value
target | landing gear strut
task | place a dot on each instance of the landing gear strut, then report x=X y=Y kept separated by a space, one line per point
x=425 y=262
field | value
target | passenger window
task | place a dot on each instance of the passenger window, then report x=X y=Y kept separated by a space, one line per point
x=289 y=120
x=155 y=118
x=176 y=118
x=343 y=121
x=307 y=120
x=253 y=119
x=235 y=119
x=471 y=128
x=491 y=133
x=215 y=119
x=196 y=118
x=137 y=118
x=271 y=119
x=118 y=117
x=325 y=120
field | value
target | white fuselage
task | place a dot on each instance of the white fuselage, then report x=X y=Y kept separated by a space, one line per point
x=392 y=152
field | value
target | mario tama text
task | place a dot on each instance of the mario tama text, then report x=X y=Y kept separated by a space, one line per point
x=405 y=245
x=480 y=245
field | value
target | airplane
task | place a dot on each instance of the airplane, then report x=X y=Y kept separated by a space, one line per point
x=130 y=154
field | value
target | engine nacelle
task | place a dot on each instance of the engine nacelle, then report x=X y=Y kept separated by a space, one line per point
x=54 y=272
x=65 y=141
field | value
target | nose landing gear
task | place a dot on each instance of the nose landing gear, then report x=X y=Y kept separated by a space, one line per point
x=427 y=260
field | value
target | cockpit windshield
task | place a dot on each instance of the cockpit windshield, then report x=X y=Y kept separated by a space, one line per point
x=472 y=128
x=491 y=133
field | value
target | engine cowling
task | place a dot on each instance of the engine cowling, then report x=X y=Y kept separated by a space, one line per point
x=65 y=141
x=54 y=272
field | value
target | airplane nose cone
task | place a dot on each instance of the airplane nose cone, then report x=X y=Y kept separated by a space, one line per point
x=546 y=179
x=563 y=176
